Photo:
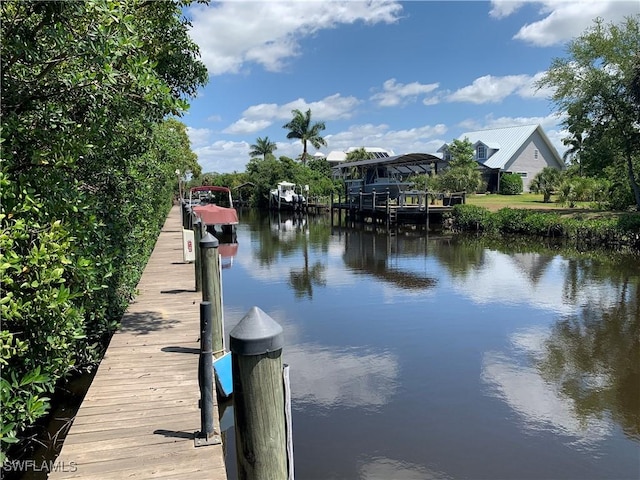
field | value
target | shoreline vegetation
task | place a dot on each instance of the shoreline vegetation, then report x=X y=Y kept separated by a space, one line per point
x=582 y=228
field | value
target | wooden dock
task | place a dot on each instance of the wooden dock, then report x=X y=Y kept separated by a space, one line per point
x=140 y=415
x=411 y=207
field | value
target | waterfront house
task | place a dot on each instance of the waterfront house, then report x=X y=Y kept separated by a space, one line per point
x=524 y=150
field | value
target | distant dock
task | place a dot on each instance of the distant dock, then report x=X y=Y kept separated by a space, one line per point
x=411 y=207
x=140 y=414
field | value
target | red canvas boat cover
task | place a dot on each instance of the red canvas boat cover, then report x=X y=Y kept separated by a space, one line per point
x=215 y=215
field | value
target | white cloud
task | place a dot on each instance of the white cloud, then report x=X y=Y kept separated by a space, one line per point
x=418 y=139
x=259 y=117
x=563 y=19
x=245 y=125
x=504 y=8
x=198 y=136
x=232 y=34
x=395 y=94
x=490 y=89
x=549 y=121
x=223 y=156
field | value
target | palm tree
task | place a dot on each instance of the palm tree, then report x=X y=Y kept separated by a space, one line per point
x=263 y=146
x=574 y=143
x=300 y=127
x=547 y=182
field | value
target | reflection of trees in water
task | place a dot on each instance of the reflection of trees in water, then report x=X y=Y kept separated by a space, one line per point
x=459 y=255
x=303 y=280
x=369 y=252
x=289 y=235
x=594 y=358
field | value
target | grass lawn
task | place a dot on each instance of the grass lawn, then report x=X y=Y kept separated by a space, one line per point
x=494 y=202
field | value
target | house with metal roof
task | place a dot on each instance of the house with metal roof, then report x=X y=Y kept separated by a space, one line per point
x=524 y=150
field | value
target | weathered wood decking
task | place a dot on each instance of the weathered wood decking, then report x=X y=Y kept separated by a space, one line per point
x=140 y=414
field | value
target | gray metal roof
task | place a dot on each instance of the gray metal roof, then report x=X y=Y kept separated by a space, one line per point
x=509 y=139
x=409 y=162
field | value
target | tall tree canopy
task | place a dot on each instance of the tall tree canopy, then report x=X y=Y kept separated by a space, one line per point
x=263 y=146
x=301 y=127
x=595 y=87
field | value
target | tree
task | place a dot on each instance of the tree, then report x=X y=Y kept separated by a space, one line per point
x=300 y=127
x=358 y=154
x=462 y=173
x=263 y=146
x=546 y=182
x=596 y=87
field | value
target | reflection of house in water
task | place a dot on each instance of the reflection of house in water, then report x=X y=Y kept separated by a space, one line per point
x=369 y=252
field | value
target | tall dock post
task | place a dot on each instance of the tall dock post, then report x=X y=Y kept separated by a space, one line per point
x=212 y=289
x=206 y=435
x=197 y=236
x=259 y=398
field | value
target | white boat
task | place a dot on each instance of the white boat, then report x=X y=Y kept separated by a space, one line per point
x=285 y=197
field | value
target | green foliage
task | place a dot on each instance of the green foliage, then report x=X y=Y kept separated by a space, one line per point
x=462 y=174
x=462 y=154
x=600 y=103
x=546 y=182
x=300 y=127
x=358 y=154
x=472 y=218
x=460 y=179
x=265 y=175
x=263 y=146
x=622 y=232
x=582 y=189
x=88 y=172
x=510 y=184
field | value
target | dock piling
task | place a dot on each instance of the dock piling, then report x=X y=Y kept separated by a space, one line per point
x=197 y=236
x=259 y=398
x=206 y=435
x=212 y=289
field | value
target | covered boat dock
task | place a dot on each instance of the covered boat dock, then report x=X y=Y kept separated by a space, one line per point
x=381 y=190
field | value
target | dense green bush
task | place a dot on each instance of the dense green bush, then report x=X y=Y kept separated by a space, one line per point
x=614 y=232
x=510 y=184
x=88 y=173
x=472 y=218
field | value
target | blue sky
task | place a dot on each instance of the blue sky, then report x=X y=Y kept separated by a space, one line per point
x=405 y=76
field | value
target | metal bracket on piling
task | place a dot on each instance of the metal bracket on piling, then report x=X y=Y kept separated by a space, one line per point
x=202 y=440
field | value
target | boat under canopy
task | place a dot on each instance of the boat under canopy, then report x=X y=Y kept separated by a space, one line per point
x=214 y=206
x=387 y=175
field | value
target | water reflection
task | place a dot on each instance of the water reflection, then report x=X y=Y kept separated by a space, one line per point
x=580 y=376
x=369 y=252
x=381 y=468
x=593 y=358
x=334 y=378
x=227 y=247
x=439 y=357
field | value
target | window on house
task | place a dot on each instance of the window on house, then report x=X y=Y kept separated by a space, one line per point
x=482 y=152
x=523 y=174
x=535 y=153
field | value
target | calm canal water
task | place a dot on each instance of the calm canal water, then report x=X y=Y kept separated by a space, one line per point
x=416 y=357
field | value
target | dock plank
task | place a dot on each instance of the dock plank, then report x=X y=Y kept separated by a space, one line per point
x=140 y=415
